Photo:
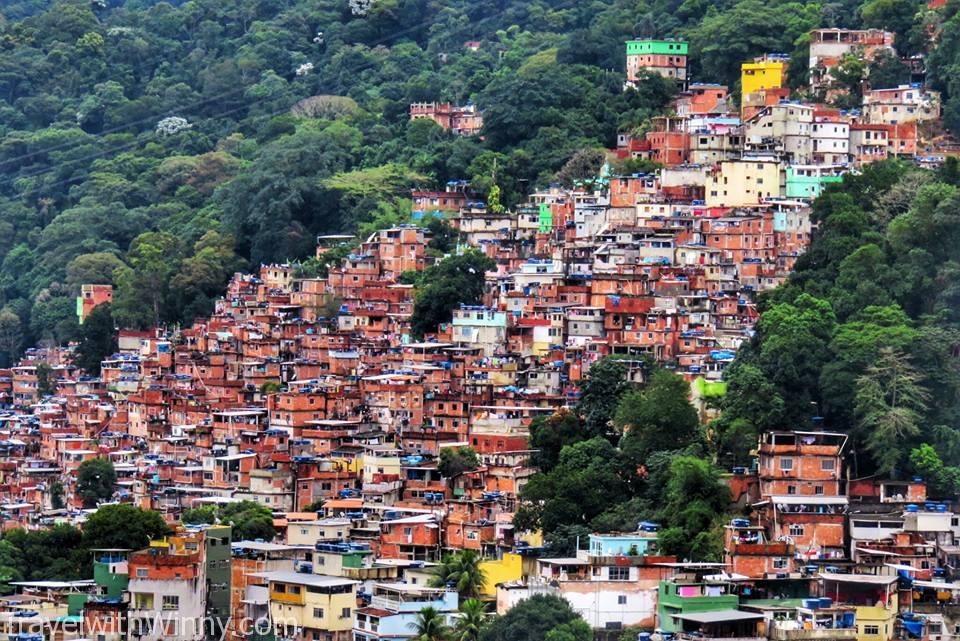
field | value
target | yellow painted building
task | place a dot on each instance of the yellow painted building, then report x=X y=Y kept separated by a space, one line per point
x=512 y=567
x=352 y=464
x=312 y=606
x=763 y=73
x=875 y=623
x=379 y=460
x=533 y=538
x=738 y=183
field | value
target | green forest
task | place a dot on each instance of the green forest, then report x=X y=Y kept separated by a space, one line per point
x=160 y=147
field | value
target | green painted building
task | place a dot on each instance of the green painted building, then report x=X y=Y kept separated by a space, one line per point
x=679 y=597
x=217 y=557
x=656 y=47
x=545 y=219
x=667 y=58
x=110 y=572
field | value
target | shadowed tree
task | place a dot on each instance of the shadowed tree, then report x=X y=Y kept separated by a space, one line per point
x=889 y=404
x=430 y=625
x=96 y=479
x=462 y=572
x=473 y=619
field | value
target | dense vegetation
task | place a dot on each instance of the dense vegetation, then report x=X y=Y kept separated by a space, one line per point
x=866 y=332
x=64 y=552
x=625 y=454
x=160 y=146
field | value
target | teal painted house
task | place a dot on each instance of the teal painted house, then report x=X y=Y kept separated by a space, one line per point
x=809 y=181
x=634 y=544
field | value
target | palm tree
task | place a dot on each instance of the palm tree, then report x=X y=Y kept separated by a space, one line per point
x=462 y=572
x=472 y=621
x=430 y=625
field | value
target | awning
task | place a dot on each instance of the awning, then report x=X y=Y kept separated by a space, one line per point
x=952 y=587
x=724 y=576
x=902 y=567
x=719 y=616
x=858 y=578
x=877 y=552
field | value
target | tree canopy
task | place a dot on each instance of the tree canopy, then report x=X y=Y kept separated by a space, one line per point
x=96 y=480
x=863 y=333
x=250 y=520
x=534 y=619
x=454 y=281
x=123 y=526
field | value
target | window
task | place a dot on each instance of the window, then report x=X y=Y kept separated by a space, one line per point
x=345 y=613
x=617 y=573
x=621 y=599
x=779 y=563
x=791 y=489
x=818 y=489
x=318 y=613
x=796 y=530
x=142 y=573
x=871 y=629
x=786 y=463
x=827 y=464
x=143 y=600
x=171 y=602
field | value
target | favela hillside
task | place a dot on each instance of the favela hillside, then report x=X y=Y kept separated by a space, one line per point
x=445 y=320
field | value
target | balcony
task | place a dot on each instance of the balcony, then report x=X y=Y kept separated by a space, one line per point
x=817 y=634
x=371 y=573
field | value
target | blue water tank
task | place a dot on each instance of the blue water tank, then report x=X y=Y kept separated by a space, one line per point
x=913 y=508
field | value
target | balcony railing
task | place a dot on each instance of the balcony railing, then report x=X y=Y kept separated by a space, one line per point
x=816 y=634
